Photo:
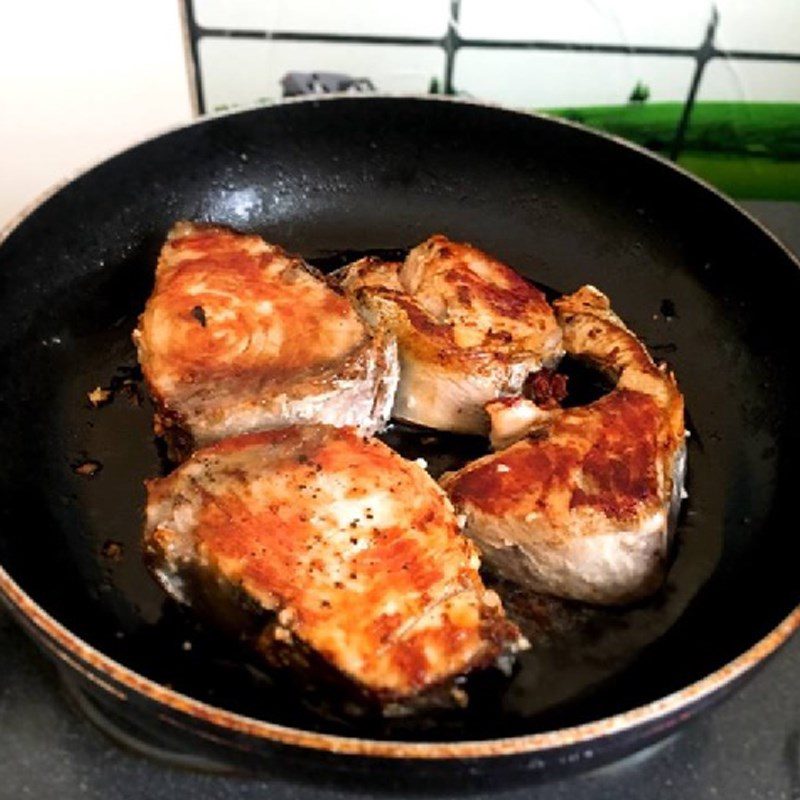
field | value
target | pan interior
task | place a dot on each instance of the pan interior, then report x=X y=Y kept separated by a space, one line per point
x=705 y=288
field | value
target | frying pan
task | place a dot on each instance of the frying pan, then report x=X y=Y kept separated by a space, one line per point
x=704 y=285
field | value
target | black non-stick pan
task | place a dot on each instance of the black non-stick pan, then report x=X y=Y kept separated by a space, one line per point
x=707 y=288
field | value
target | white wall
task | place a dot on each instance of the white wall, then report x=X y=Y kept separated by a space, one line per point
x=80 y=80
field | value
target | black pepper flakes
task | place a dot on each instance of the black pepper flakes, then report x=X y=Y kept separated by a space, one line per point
x=199 y=313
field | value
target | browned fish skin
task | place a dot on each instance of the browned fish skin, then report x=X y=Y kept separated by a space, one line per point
x=469 y=329
x=355 y=550
x=583 y=506
x=592 y=331
x=239 y=336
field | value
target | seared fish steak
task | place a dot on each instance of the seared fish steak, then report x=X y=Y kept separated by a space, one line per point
x=583 y=505
x=469 y=329
x=238 y=336
x=329 y=544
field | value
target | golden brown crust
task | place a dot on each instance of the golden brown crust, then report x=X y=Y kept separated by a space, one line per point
x=238 y=335
x=592 y=331
x=454 y=305
x=356 y=549
x=601 y=458
x=583 y=504
x=611 y=457
x=469 y=330
x=228 y=306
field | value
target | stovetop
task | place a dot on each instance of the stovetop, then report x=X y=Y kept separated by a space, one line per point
x=747 y=748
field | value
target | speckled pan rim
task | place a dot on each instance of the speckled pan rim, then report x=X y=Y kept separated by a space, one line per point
x=97 y=667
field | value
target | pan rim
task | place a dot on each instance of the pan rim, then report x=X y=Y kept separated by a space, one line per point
x=7 y=228
x=80 y=655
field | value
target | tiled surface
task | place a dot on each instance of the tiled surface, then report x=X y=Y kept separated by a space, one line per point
x=744 y=80
x=238 y=71
x=539 y=79
x=243 y=71
x=747 y=748
x=408 y=18
x=680 y=23
x=768 y=26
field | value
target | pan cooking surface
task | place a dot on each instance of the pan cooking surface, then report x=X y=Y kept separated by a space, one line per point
x=703 y=286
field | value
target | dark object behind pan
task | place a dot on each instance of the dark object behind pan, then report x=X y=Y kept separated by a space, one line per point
x=707 y=288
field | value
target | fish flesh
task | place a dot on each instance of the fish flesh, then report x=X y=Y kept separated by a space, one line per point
x=239 y=336
x=326 y=549
x=469 y=329
x=581 y=502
